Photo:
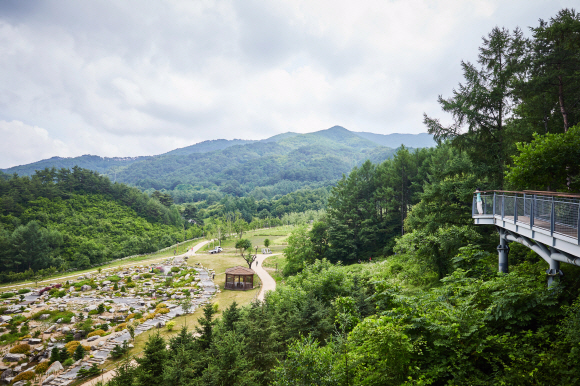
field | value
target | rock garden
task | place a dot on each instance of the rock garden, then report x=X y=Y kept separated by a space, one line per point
x=57 y=334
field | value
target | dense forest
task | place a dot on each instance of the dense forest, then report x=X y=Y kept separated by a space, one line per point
x=76 y=218
x=426 y=306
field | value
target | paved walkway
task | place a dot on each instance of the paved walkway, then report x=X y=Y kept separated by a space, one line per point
x=141 y=262
x=268 y=283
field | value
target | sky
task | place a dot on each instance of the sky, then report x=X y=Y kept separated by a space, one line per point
x=140 y=77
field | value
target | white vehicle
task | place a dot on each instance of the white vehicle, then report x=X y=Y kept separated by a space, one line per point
x=216 y=250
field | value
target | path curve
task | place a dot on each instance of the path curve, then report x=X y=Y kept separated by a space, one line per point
x=188 y=253
x=268 y=283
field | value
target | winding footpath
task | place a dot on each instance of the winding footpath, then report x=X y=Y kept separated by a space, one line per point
x=268 y=283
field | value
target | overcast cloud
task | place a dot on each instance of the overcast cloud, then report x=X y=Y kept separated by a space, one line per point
x=126 y=78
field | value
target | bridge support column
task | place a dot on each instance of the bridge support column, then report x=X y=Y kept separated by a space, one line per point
x=554 y=273
x=503 y=249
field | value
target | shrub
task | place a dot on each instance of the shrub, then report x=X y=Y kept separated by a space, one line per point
x=7 y=295
x=131 y=285
x=162 y=311
x=68 y=362
x=114 y=278
x=72 y=346
x=170 y=325
x=23 y=291
x=161 y=305
x=24 y=376
x=121 y=327
x=42 y=367
x=138 y=315
x=147 y=276
x=129 y=317
x=20 y=349
x=96 y=332
x=157 y=271
x=123 y=289
x=174 y=269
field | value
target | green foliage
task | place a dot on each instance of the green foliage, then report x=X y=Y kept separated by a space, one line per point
x=79 y=352
x=549 y=162
x=7 y=295
x=90 y=372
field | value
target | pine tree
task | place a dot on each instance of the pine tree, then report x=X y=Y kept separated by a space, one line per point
x=79 y=352
x=151 y=364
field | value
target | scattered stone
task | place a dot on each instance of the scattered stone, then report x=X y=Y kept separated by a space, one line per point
x=13 y=357
x=6 y=375
x=5 y=319
x=34 y=341
x=73 y=320
x=44 y=316
x=48 y=379
x=55 y=367
x=86 y=288
x=93 y=338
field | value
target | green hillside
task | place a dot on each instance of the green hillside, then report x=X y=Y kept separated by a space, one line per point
x=76 y=219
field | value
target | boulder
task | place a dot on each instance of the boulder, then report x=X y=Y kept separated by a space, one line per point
x=71 y=289
x=7 y=375
x=73 y=320
x=65 y=330
x=90 y=308
x=48 y=379
x=5 y=319
x=13 y=357
x=93 y=338
x=19 y=383
x=59 y=320
x=34 y=341
x=44 y=316
x=50 y=329
x=77 y=336
x=55 y=367
x=86 y=288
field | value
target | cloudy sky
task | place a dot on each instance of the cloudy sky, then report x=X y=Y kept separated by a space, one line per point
x=137 y=77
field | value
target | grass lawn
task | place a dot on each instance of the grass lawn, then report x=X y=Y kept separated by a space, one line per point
x=274 y=266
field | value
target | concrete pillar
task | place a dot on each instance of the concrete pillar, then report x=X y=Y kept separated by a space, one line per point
x=503 y=249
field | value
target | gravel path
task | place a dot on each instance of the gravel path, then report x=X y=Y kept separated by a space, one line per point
x=268 y=283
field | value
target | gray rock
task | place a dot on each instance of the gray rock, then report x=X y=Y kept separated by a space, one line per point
x=65 y=330
x=77 y=336
x=48 y=379
x=59 y=320
x=71 y=289
x=34 y=341
x=13 y=357
x=19 y=383
x=55 y=367
x=7 y=374
x=73 y=320
x=5 y=319
x=50 y=329
x=86 y=288
x=44 y=316
x=93 y=338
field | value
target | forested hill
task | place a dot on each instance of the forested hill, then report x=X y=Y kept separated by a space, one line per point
x=283 y=163
x=77 y=218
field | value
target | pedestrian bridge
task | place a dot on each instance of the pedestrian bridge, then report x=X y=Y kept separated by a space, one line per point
x=546 y=222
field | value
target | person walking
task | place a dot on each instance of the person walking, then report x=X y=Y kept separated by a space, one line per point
x=479 y=201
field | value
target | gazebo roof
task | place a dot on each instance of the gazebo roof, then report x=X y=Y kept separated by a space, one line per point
x=239 y=270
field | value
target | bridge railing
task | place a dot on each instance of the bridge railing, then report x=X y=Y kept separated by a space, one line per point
x=549 y=212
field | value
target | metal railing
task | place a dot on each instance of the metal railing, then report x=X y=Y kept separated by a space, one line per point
x=556 y=213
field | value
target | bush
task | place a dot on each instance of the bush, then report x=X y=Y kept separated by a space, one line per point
x=129 y=317
x=23 y=291
x=68 y=362
x=7 y=295
x=114 y=278
x=131 y=285
x=161 y=305
x=24 y=376
x=93 y=312
x=20 y=349
x=72 y=346
x=121 y=327
x=96 y=332
x=174 y=269
x=42 y=367
x=170 y=325
x=162 y=311
x=146 y=276
x=157 y=271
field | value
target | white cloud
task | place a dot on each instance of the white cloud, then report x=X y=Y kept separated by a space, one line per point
x=135 y=78
x=23 y=144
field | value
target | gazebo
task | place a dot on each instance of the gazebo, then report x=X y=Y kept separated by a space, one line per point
x=239 y=278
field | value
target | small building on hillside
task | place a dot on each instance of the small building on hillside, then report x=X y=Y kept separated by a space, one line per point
x=239 y=278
